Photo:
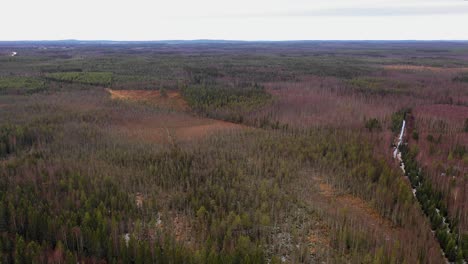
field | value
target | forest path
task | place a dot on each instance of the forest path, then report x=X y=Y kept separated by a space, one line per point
x=316 y=191
x=357 y=208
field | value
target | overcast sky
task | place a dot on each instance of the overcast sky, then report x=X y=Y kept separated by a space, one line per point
x=234 y=19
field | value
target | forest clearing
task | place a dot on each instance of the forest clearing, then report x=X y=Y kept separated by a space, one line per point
x=167 y=127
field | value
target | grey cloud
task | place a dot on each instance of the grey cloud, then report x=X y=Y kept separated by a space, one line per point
x=385 y=11
x=423 y=10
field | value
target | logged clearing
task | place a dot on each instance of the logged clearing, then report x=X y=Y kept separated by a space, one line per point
x=166 y=127
x=171 y=127
x=354 y=204
x=171 y=100
x=337 y=204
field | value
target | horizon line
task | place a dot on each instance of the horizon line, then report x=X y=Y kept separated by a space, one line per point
x=232 y=40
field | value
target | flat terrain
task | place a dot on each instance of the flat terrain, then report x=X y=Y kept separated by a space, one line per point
x=233 y=152
x=167 y=128
x=173 y=126
x=171 y=100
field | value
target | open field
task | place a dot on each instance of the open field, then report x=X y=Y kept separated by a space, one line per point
x=233 y=152
x=165 y=127
x=169 y=100
x=171 y=127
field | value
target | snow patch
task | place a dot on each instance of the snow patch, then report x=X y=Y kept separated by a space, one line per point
x=400 y=140
x=127 y=238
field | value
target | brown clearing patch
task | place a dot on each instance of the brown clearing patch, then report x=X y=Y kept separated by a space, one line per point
x=171 y=127
x=403 y=67
x=319 y=238
x=173 y=99
x=165 y=127
x=354 y=204
x=333 y=203
x=325 y=189
x=139 y=200
x=182 y=229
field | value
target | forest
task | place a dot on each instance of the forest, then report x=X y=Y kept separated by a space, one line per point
x=242 y=152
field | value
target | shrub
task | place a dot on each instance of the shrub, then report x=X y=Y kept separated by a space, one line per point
x=430 y=138
x=397 y=119
x=93 y=78
x=373 y=124
x=21 y=83
x=459 y=151
x=163 y=92
x=463 y=77
x=223 y=102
